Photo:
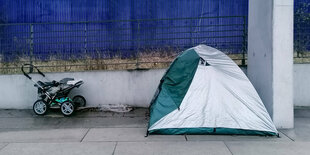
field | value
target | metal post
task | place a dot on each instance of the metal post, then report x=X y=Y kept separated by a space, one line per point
x=298 y=42
x=191 y=29
x=137 y=52
x=85 y=37
x=244 y=46
x=31 y=47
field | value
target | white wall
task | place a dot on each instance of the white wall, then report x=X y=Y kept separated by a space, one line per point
x=270 y=57
x=135 y=88
x=260 y=49
x=302 y=85
x=283 y=15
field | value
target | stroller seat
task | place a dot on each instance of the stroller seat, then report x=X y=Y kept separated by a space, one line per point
x=45 y=84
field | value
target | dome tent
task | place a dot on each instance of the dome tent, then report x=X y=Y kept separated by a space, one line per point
x=205 y=92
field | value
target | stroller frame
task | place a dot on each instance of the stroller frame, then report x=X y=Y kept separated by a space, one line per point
x=59 y=98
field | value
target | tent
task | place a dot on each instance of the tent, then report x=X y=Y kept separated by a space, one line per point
x=205 y=92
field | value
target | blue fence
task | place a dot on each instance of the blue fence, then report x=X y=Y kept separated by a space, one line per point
x=46 y=11
x=302 y=28
x=45 y=30
x=125 y=38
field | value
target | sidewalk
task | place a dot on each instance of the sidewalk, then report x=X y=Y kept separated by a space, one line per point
x=21 y=132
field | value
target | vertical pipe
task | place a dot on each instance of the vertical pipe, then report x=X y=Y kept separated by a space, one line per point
x=244 y=48
x=85 y=37
x=137 y=52
x=31 y=47
x=191 y=29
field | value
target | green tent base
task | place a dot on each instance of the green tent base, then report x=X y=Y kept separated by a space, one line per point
x=210 y=131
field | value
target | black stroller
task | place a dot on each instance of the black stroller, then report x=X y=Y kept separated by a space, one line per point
x=54 y=94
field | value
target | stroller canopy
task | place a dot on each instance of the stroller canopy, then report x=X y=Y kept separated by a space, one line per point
x=205 y=92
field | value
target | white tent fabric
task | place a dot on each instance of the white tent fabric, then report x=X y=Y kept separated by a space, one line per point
x=220 y=96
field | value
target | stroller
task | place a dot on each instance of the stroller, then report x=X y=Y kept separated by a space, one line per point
x=54 y=94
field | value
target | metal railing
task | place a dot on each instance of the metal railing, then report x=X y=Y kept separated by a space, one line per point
x=301 y=32
x=137 y=41
x=302 y=42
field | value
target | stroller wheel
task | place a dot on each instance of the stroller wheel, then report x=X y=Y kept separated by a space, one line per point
x=67 y=108
x=79 y=101
x=40 y=107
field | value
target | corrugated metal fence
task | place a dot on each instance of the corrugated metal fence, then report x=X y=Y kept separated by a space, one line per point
x=125 y=39
x=150 y=33
x=302 y=28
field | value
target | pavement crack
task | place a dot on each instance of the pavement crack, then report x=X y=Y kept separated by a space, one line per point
x=228 y=148
x=85 y=135
x=114 y=148
x=5 y=145
x=185 y=138
x=287 y=136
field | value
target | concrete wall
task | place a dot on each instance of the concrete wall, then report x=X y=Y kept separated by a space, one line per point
x=302 y=84
x=135 y=88
x=260 y=49
x=270 y=57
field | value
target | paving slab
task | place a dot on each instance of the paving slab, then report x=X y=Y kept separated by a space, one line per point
x=7 y=113
x=103 y=148
x=2 y=145
x=51 y=135
x=302 y=112
x=112 y=122
x=31 y=123
x=82 y=113
x=171 y=148
x=90 y=113
x=301 y=131
x=138 y=112
x=127 y=134
x=71 y=122
x=269 y=148
x=236 y=138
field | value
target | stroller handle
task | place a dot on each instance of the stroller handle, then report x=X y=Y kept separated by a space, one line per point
x=31 y=70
